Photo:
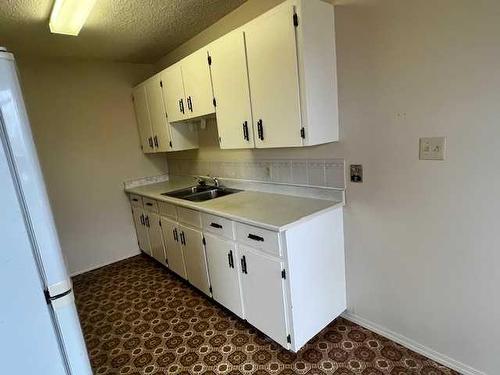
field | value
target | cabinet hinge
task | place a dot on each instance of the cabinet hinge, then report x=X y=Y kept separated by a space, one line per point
x=161 y=83
x=215 y=102
x=295 y=20
x=209 y=60
x=303 y=133
x=204 y=241
x=289 y=339
x=283 y=274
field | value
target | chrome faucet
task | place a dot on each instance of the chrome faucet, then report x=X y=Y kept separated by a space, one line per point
x=216 y=182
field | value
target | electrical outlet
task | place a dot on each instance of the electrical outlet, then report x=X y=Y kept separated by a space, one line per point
x=433 y=148
x=356 y=173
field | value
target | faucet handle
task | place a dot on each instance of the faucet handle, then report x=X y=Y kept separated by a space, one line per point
x=200 y=180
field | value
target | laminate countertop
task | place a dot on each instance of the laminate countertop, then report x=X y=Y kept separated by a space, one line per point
x=275 y=212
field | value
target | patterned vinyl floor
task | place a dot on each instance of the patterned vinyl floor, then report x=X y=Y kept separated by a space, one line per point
x=138 y=318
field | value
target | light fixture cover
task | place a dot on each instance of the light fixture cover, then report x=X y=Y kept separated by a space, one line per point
x=68 y=16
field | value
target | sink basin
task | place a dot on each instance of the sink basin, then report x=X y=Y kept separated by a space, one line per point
x=200 y=193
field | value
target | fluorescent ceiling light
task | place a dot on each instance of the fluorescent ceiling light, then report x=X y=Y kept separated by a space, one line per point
x=68 y=16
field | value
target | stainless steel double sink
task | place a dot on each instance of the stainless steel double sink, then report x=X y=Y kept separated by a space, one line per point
x=201 y=193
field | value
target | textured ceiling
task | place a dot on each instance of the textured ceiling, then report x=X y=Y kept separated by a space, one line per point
x=117 y=30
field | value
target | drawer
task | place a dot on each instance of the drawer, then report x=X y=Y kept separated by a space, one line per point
x=167 y=209
x=258 y=238
x=150 y=204
x=218 y=225
x=190 y=217
x=135 y=200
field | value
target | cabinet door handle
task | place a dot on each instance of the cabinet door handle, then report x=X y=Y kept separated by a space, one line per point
x=260 y=130
x=215 y=225
x=245 y=131
x=176 y=236
x=150 y=141
x=156 y=141
x=244 y=264
x=255 y=237
x=230 y=259
x=147 y=221
x=190 y=103
x=142 y=219
x=183 y=238
x=181 y=105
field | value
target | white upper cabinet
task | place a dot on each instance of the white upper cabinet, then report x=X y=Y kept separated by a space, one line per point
x=231 y=91
x=197 y=85
x=139 y=97
x=274 y=78
x=174 y=95
x=156 y=132
x=159 y=124
x=272 y=83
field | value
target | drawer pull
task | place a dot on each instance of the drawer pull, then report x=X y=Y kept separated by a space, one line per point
x=255 y=237
x=215 y=225
x=244 y=264
x=135 y=199
x=149 y=204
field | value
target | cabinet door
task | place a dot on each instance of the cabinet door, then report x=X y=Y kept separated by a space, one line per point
x=274 y=79
x=156 y=238
x=173 y=93
x=173 y=249
x=157 y=114
x=230 y=85
x=223 y=260
x=263 y=293
x=141 y=230
x=197 y=84
x=143 y=120
x=194 y=255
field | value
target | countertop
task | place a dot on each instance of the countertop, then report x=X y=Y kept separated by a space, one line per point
x=275 y=212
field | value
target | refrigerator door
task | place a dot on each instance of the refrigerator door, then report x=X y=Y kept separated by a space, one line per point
x=28 y=199
x=29 y=343
x=32 y=187
x=68 y=327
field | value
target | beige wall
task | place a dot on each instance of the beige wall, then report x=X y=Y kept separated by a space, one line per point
x=422 y=237
x=86 y=135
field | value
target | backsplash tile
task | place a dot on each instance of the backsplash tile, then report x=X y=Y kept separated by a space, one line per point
x=314 y=172
x=299 y=172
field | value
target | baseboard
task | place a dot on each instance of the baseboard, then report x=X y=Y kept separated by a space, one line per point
x=96 y=266
x=415 y=346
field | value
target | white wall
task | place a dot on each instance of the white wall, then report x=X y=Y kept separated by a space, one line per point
x=422 y=237
x=87 y=140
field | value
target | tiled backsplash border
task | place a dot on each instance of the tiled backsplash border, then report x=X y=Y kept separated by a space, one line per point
x=309 y=172
x=145 y=181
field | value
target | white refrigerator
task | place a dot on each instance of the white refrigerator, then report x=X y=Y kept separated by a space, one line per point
x=39 y=328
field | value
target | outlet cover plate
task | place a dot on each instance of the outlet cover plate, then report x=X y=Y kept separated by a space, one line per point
x=432 y=148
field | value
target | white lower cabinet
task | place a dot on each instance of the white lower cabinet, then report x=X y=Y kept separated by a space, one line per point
x=223 y=267
x=173 y=247
x=264 y=293
x=288 y=284
x=156 y=237
x=141 y=229
x=194 y=257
